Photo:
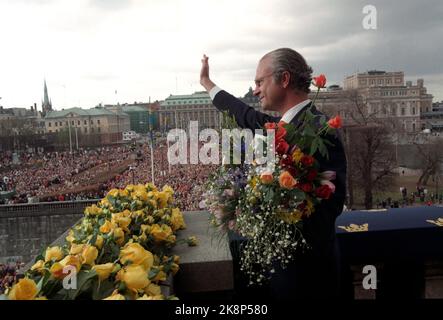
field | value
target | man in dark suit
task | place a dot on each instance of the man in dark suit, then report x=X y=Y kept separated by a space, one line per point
x=282 y=84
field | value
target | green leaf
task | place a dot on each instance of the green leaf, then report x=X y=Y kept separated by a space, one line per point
x=84 y=279
x=308 y=131
x=153 y=273
x=314 y=147
x=102 y=289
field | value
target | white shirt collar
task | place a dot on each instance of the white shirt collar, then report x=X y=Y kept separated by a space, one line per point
x=291 y=113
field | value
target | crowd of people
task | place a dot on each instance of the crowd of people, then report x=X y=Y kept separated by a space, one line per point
x=8 y=275
x=55 y=176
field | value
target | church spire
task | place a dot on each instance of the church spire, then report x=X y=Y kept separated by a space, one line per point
x=46 y=103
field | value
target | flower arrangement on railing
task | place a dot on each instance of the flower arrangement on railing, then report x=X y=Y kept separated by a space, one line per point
x=120 y=250
x=268 y=203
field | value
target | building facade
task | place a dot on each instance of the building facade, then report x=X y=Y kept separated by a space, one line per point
x=87 y=121
x=384 y=95
x=142 y=116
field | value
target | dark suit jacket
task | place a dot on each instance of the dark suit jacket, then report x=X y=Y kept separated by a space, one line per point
x=320 y=264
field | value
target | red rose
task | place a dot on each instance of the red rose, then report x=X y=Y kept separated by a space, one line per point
x=335 y=122
x=306 y=187
x=323 y=192
x=282 y=147
x=280 y=133
x=312 y=174
x=320 y=81
x=291 y=170
x=307 y=161
x=286 y=161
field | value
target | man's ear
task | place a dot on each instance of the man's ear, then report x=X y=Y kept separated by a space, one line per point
x=285 y=78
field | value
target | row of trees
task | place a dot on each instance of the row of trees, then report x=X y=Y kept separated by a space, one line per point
x=371 y=141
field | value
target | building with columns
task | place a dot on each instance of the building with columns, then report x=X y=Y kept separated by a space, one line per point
x=384 y=95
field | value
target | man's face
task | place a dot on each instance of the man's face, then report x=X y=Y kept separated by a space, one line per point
x=268 y=91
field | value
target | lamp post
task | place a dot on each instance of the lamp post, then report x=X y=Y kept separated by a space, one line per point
x=131 y=168
x=151 y=145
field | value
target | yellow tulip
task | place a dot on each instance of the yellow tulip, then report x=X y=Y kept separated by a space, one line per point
x=39 y=265
x=135 y=253
x=120 y=220
x=89 y=254
x=119 y=235
x=174 y=268
x=177 y=220
x=106 y=227
x=168 y=189
x=161 y=233
x=113 y=193
x=92 y=210
x=153 y=290
x=99 y=242
x=162 y=198
x=56 y=270
x=70 y=236
x=115 y=296
x=161 y=276
x=76 y=248
x=25 y=289
x=103 y=270
x=53 y=253
x=134 y=276
x=72 y=260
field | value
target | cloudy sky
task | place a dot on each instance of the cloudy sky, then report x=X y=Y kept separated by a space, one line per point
x=108 y=51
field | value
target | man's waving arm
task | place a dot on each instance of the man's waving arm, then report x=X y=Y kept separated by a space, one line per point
x=246 y=116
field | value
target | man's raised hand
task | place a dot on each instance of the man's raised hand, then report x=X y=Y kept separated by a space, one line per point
x=205 y=81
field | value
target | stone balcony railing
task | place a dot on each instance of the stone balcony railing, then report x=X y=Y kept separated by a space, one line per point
x=404 y=248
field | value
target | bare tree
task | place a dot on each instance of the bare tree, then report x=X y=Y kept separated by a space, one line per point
x=430 y=156
x=369 y=148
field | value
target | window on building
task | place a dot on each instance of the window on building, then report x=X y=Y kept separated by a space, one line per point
x=72 y=122
x=98 y=121
x=413 y=127
x=56 y=123
x=78 y=122
x=98 y=130
x=86 y=122
x=92 y=122
x=413 y=110
x=49 y=124
x=92 y=130
x=66 y=122
x=50 y=131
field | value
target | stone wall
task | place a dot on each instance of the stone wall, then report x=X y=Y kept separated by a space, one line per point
x=27 y=228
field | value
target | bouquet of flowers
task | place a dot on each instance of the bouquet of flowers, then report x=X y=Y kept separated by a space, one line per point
x=270 y=209
x=120 y=250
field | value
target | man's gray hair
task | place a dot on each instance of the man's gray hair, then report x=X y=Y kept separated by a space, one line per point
x=286 y=59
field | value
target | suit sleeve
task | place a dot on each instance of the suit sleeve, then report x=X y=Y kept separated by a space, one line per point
x=246 y=116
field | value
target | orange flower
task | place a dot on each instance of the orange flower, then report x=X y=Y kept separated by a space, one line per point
x=286 y=180
x=335 y=122
x=266 y=177
x=320 y=81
